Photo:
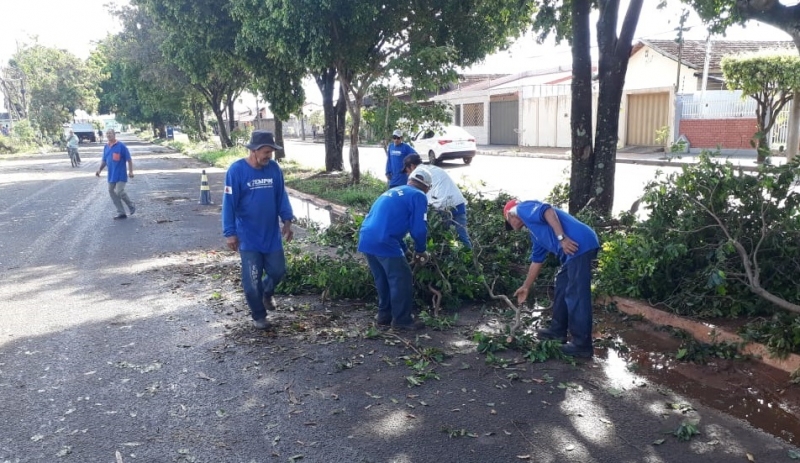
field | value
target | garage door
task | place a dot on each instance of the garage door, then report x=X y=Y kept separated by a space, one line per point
x=504 y=122
x=647 y=113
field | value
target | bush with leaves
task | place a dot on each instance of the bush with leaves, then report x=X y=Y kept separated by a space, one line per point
x=718 y=242
x=499 y=259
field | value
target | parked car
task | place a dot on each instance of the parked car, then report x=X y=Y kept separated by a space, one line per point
x=448 y=142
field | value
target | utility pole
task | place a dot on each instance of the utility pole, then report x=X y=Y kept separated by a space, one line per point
x=681 y=29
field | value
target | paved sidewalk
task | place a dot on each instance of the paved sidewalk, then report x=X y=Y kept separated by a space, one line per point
x=632 y=155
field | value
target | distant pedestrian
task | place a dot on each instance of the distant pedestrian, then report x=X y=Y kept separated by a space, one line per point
x=100 y=135
x=395 y=154
x=396 y=213
x=255 y=200
x=313 y=132
x=575 y=244
x=72 y=147
x=445 y=197
x=116 y=155
x=4 y=130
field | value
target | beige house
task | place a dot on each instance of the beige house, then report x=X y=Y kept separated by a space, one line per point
x=533 y=108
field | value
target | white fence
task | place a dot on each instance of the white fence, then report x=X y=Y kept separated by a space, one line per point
x=728 y=104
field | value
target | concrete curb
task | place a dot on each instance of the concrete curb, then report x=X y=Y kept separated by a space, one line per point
x=705 y=332
x=566 y=157
x=321 y=203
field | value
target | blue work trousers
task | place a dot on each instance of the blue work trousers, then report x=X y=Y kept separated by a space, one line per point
x=261 y=273
x=572 y=307
x=395 y=289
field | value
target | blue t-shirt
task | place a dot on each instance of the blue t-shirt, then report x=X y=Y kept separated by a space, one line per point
x=544 y=238
x=253 y=201
x=116 y=158
x=399 y=211
x=394 y=163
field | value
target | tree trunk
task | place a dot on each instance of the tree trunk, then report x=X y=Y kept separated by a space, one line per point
x=341 y=120
x=279 y=154
x=325 y=80
x=794 y=128
x=580 y=185
x=224 y=136
x=231 y=114
x=355 y=116
x=302 y=127
x=613 y=64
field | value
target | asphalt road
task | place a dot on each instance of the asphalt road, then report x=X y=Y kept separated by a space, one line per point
x=127 y=341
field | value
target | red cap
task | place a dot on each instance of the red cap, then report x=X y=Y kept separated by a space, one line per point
x=509 y=205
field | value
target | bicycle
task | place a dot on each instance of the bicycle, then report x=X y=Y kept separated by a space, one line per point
x=73 y=156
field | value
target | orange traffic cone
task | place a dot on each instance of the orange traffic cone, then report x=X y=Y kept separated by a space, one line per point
x=205 y=190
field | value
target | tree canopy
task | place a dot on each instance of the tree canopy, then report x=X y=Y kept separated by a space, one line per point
x=57 y=84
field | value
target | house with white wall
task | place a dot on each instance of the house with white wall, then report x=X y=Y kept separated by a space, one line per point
x=532 y=108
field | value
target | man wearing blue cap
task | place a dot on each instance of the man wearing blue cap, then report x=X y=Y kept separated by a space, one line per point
x=255 y=199
x=396 y=153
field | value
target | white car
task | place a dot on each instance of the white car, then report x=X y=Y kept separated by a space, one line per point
x=448 y=142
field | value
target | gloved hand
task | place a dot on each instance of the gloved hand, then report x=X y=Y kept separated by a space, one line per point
x=422 y=257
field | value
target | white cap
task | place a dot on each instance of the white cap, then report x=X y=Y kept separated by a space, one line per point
x=397 y=133
x=422 y=175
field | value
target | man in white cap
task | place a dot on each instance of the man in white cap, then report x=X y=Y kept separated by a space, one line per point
x=396 y=153
x=255 y=199
x=400 y=211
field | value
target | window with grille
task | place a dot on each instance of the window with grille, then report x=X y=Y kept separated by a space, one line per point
x=473 y=115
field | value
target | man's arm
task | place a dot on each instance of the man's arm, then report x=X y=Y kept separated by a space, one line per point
x=533 y=273
x=285 y=210
x=130 y=166
x=229 y=212
x=388 y=163
x=100 y=169
x=419 y=222
x=569 y=246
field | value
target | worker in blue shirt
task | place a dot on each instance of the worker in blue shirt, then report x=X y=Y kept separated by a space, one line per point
x=255 y=199
x=396 y=153
x=575 y=244
x=400 y=211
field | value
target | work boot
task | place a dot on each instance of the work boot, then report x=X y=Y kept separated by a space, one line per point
x=262 y=324
x=120 y=217
x=414 y=326
x=383 y=324
x=572 y=350
x=550 y=335
x=132 y=208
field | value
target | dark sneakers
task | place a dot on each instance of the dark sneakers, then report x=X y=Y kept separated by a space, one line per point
x=572 y=350
x=383 y=324
x=549 y=335
x=262 y=324
x=269 y=302
x=415 y=326
x=133 y=209
x=120 y=217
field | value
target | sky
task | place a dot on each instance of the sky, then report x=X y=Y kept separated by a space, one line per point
x=76 y=25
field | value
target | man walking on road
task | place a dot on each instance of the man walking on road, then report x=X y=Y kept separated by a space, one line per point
x=72 y=146
x=444 y=196
x=575 y=244
x=116 y=155
x=395 y=154
x=255 y=198
x=396 y=213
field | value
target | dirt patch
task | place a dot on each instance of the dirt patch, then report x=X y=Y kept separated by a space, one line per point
x=631 y=355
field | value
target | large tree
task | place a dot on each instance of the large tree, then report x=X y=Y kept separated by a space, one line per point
x=57 y=82
x=300 y=31
x=720 y=14
x=361 y=42
x=200 y=39
x=593 y=161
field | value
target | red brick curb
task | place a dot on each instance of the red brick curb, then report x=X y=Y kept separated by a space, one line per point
x=705 y=332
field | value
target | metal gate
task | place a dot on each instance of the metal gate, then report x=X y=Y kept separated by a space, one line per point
x=647 y=113
x=504 y=122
